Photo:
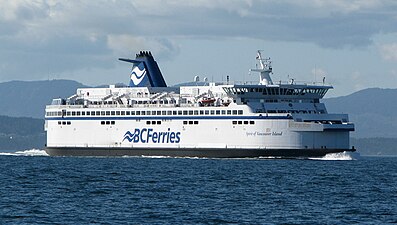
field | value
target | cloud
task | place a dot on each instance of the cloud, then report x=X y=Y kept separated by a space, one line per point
x=71 y=35
x=389 y=52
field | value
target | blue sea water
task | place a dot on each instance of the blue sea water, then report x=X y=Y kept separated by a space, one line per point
x=37 y=189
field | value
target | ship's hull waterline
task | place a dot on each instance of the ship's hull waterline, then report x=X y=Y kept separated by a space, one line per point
x=192 y=152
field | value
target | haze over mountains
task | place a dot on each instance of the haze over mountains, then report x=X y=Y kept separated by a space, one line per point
x=372 y=110
x=28 y=98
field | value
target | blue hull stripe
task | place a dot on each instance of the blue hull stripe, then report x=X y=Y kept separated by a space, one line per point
x=172 y=118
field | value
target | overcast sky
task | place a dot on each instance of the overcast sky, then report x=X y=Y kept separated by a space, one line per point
x=352 y=43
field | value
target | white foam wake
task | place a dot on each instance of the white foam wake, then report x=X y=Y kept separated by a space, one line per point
x=340 y=156
x=31 y=152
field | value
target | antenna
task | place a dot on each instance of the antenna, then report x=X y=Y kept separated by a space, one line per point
x=315 y=72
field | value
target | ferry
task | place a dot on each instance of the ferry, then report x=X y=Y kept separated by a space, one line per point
x=201 y=119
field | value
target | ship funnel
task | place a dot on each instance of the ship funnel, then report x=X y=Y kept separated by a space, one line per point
x=145 y=72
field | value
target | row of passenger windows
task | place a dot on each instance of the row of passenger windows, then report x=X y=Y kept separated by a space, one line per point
x=191 y=122
x=245 y=122
x=108 y=122
x=138 y=113
x=158 y=122
x=64 y=123
x=291 y=111
x=279 y=91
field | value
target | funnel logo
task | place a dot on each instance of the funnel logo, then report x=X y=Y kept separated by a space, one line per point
x=138 y=73
x=147 y=135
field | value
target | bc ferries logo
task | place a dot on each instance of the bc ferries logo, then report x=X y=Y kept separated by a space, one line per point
x=138 y=73
x=147 y=135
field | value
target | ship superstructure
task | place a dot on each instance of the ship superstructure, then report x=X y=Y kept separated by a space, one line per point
x=207 y=120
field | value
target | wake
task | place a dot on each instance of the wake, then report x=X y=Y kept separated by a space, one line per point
x=31 y=152
x=339 y=156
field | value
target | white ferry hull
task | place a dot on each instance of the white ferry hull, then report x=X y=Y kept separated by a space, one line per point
x=147 y=118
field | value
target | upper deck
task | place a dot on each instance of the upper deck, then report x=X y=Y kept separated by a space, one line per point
x=262 y=97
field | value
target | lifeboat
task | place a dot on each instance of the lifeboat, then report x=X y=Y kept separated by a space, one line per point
x=206 y=101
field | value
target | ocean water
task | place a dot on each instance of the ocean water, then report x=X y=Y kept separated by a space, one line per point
x=336 y=189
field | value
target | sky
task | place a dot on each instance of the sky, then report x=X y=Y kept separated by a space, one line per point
x=352 y=43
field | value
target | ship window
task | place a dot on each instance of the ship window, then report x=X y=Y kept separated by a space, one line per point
x=163 y=113
x=245 y=122
x=234 y=112
x=97 y=113
x=185 y=122
x=102 y=113
x=234 y=122
x=63 y=122
x=78 y=113
x=240 y=122
x=128 y=113
x=212 y=112
x=83 y=113
x=223 y=112
x=122 y=113
x=252 y=122
x=148 y=122
x=190 y=112
x=195 y=112
x=112 y=113
x=169 y=112
x=185 y=112
x=201 y=112
x=154 y=122
x=158 y=122
x=138 y=113
x=240 y=112
x=149 y=112
x=59 y=122
x=179 y=112
x=196 y=122
x=59 y=113
x=143 y=113
x=73 y=113
x=68 y=123
x=190 y=122
x=206 y=112
x=229 y=112
x=218 y=112
x=158 y=112
x=174 y=113
x=68 y=113
x=102 y=122
x=118 y=113
x=112 y=122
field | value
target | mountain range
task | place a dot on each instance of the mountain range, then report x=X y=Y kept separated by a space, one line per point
x=373 y=111
x=29 y=98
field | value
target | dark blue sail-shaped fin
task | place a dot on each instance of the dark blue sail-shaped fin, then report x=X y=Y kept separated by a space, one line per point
x=145 y=71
